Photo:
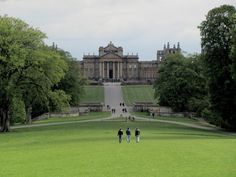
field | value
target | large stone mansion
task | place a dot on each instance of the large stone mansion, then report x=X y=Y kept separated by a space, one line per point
x=112 y=65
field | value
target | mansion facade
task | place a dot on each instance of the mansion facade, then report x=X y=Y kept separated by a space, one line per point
x=112 y=65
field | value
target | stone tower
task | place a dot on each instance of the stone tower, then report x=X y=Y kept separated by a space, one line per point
x=161 y=54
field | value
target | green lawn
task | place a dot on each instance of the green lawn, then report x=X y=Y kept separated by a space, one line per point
x=136 y=93
x=93 y=93
x=92 y=150
x=89 y=116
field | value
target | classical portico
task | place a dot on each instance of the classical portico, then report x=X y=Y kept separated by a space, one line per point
x=110 y=69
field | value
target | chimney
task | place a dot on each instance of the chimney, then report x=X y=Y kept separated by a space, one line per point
x=178 y=46
x=168 y=45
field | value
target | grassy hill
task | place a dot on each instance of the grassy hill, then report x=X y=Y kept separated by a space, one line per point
x=136 y=93
x=131 y=94
x=92 y=150
x=93 y=93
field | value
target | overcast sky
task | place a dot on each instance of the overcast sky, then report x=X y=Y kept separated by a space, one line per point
x=139 y=26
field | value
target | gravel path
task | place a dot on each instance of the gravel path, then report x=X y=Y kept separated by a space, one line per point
x=136 y=118
x=59 y=123
x=179 y=123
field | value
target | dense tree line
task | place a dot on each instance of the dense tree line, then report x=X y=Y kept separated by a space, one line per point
x=218 y=50
x=181 y=84
x=205 y=84
x=34 y=77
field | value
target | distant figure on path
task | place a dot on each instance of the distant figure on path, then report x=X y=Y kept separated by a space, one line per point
x=120 y=134
x=137 y=135
x=128 y=134
x=113 y=111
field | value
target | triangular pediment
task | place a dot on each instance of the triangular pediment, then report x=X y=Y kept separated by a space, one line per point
x=111 y=47
x=111 y=56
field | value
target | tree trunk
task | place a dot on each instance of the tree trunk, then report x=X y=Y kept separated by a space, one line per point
x=29 y=118
x=5 y=127
x=1 y=119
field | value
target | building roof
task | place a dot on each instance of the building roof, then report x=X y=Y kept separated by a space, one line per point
x=110 y=49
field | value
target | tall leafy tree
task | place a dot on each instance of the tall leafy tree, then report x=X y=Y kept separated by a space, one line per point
x=73 y=82
x=233 y=52
x=181 y=84
x=217 y=48
x=28 y=68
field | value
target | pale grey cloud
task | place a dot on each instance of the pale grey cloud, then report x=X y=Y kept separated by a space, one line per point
x=138 y=25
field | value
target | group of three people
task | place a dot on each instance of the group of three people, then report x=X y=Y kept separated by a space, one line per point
x=128 y=135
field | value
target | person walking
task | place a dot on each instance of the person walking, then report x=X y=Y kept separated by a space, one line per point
x=153 y=115
x=128 y=134
x=120 y=134
x=137 y=135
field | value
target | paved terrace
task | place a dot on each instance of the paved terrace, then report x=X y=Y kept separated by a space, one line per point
x=113 y=98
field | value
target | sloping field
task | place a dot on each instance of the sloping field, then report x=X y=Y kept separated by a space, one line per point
x=137 y=93
x=93 y=93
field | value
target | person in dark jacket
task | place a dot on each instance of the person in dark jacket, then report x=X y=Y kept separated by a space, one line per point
x=128 y=134
x=137 y=135
x=120 y=134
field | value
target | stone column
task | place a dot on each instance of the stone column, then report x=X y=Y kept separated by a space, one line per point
x=114 y=73
x=103 y=70
x=107 y=70
x=100 y=70
x=121 y=70
x=118 y=68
